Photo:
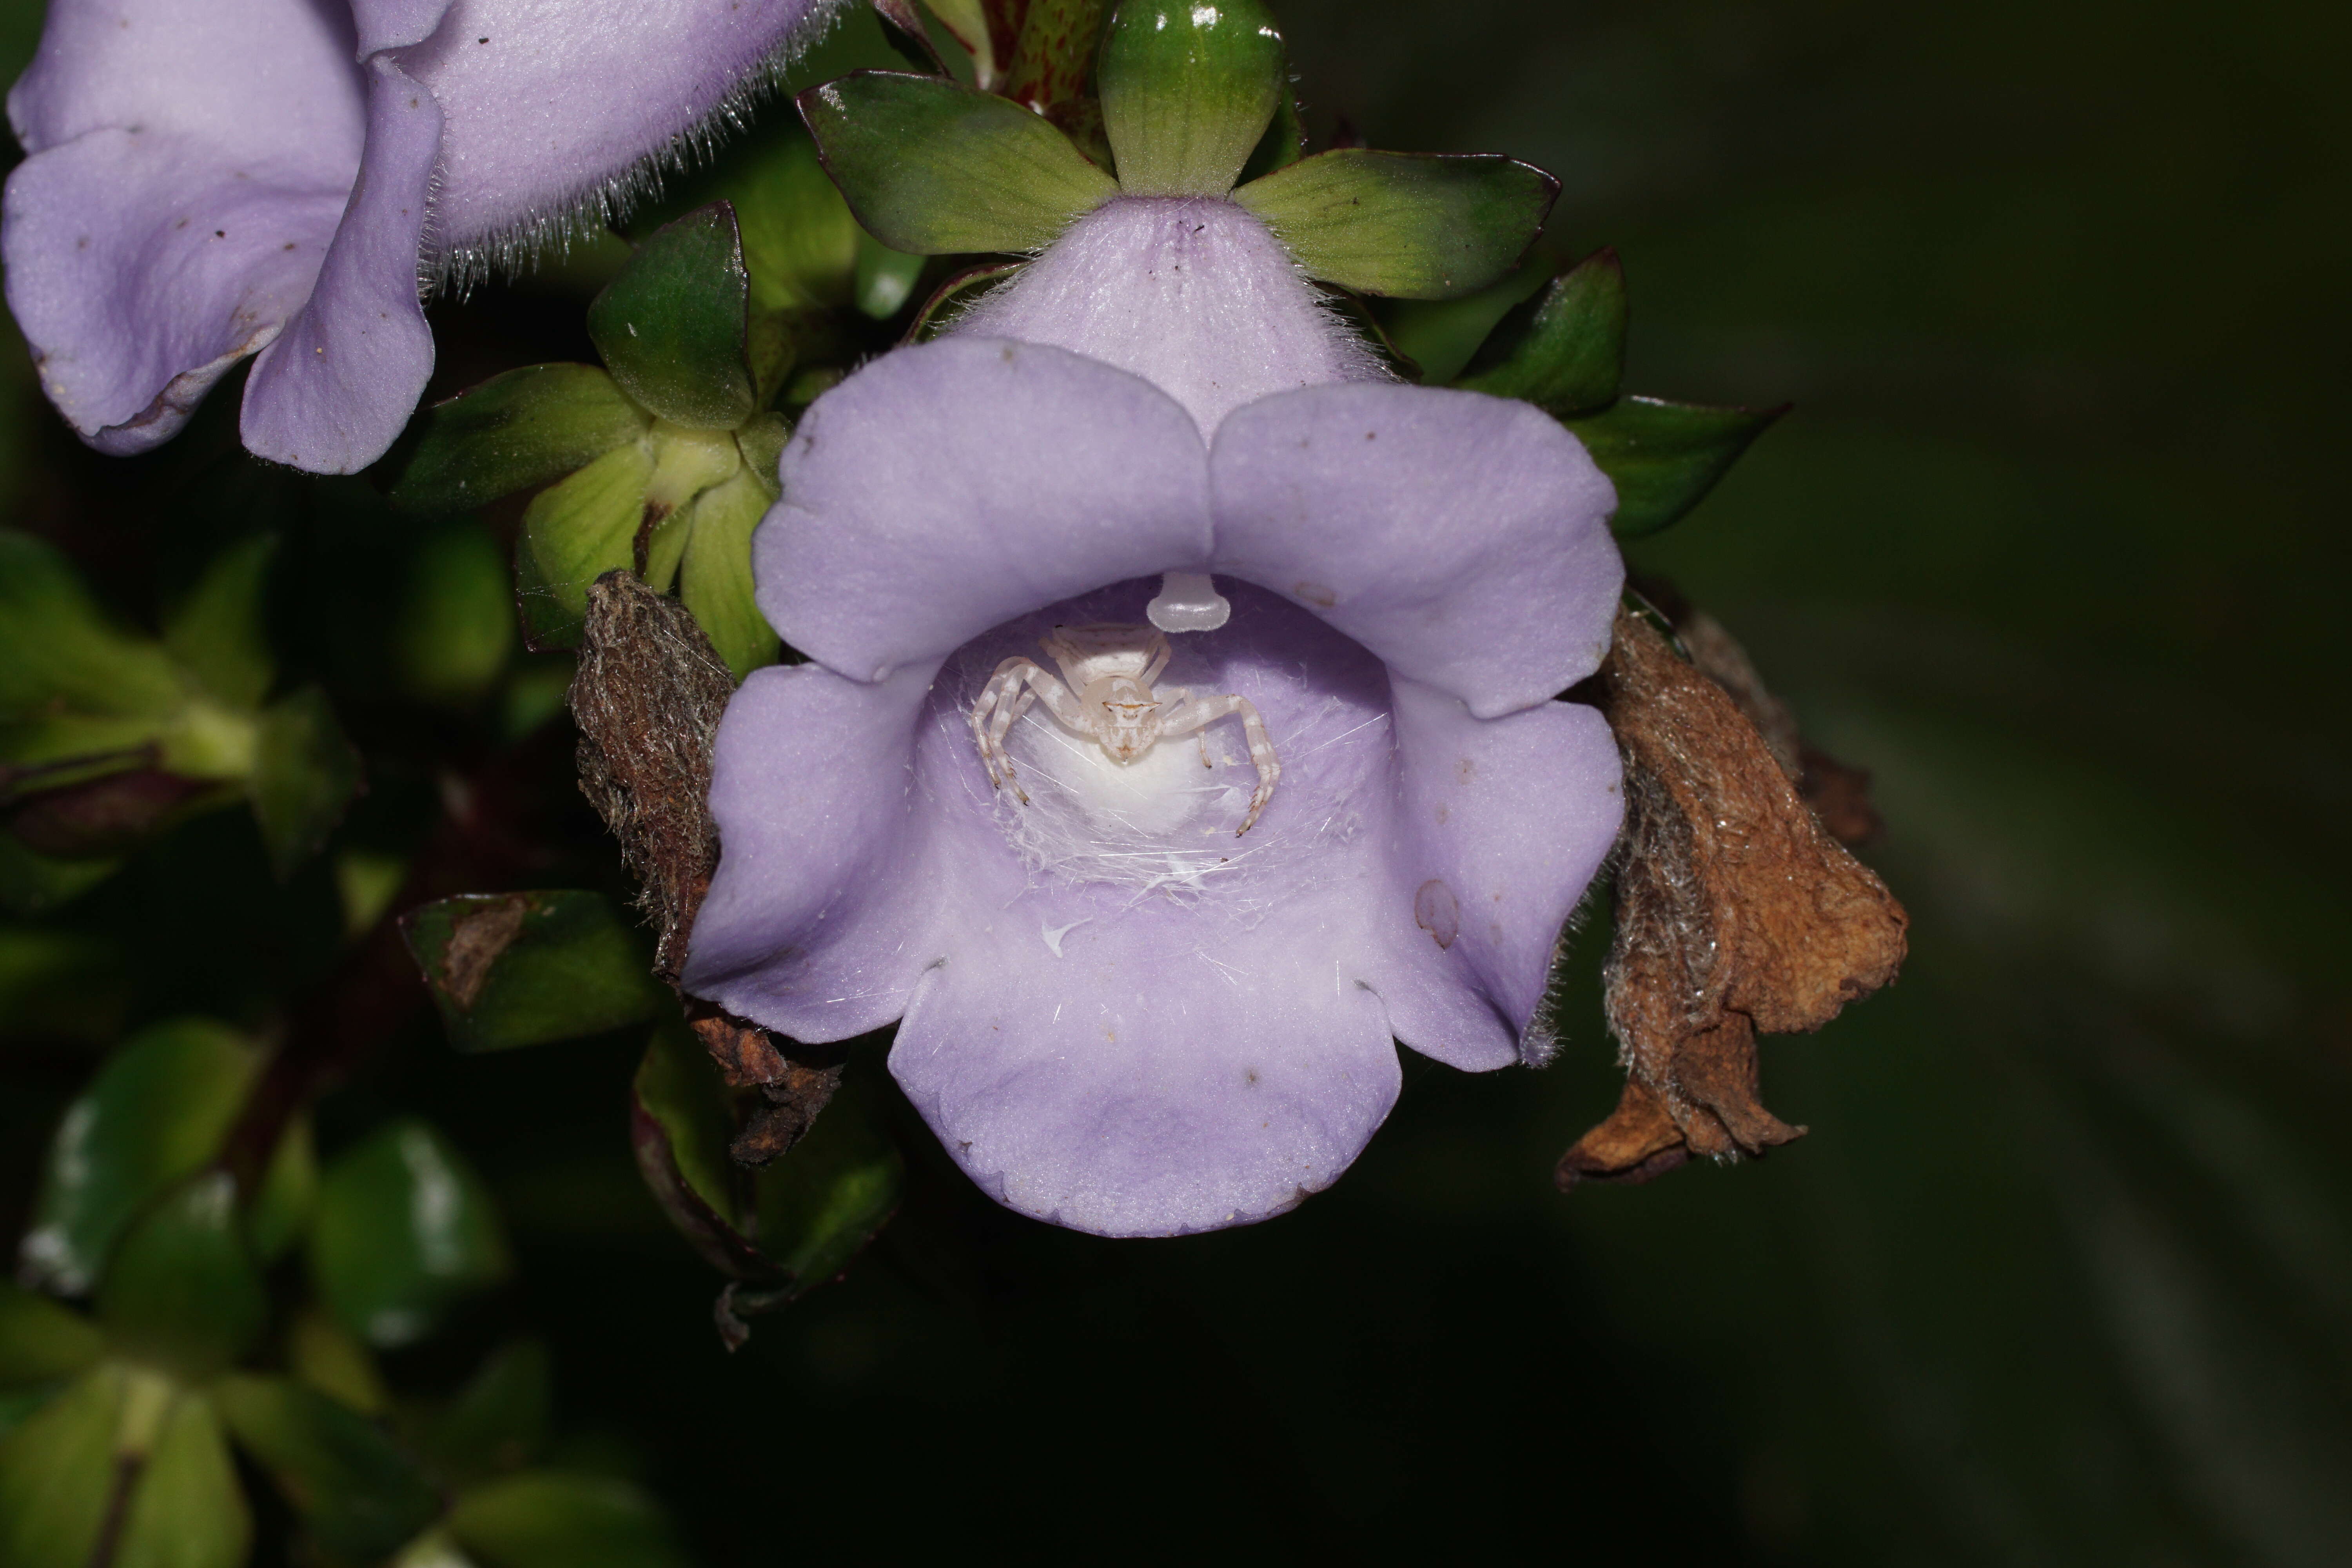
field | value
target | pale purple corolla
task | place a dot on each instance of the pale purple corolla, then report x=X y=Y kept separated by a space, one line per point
x=1117 y=1013
x=217 y=179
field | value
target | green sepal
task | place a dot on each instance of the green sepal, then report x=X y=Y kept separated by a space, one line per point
x=42 y=1341
x=524 y=969
x=404 y=1231
x=1565 y=348
x=548 y=1518
x=800 y=243
x=930 y=168
x=1188 y=90
x=57 y=1473
x=715 y=580
x=216 y=634
x=513 y=432
x=357 y=1494
x=182 y=1292
x=574 y=533
x=497 y=1421
x=1407 y=224
x=282 y=1209
x=673 y=327
x=304 y=775
x=1665 y=457
x=155 y=1115
x=186 y=1509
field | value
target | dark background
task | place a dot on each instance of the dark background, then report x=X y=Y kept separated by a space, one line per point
x=2054 y=543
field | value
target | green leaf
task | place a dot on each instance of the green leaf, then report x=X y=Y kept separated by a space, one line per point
x=182 y=1294
x=56 y=1474
x=58 y=650
x=289 y=1191
x=716 y=580
x=574 y=533
x=358 y=1493
x=672 y=327
x=1565 y=348
x=304 y=775
x=827 y=1198
x=523 y=969
x=31 y=882
x=323 y=1354
x=930 y=168
x=40 y=1340
x=404 y=1231
x=216 y=633
x=800 y=243
x=546 y=1519
x=1187 y=91
x=1413 y=226
x=456 y=629
x=498 y=1420
x=885 y=278
x=524 y=428
x=154 y=1116
x=680 y=1125
x=186 y=1509
x=1665 y=457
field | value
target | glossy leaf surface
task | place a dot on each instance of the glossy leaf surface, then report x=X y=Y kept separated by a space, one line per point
x=405 y=1230
x=547 y=1519
x=1665 y=457
x=1565 y=348
x=351 y=1484
x=1411 y=226
x=523 y=969
x=154 y=1115
x=930 y=168
x=672 y=326
x=526 y=427
x=1188 y=89
x=304 y=775
x=182 y=1291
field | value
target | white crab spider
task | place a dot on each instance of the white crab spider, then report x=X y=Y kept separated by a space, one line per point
x=1110 y=668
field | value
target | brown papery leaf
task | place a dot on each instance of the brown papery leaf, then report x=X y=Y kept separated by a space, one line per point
x=649 y=695
x=1737 y=915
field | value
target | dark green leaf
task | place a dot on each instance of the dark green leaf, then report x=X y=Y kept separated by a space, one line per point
x=680 y=1124
x=323 y=1354
x=289 y=1191
x=1187 y=91
x=41 y=1341
x=1413 y=226
x=546 y=1519
x=182 y=1292
x=522 y=969
x=58 y=1472
x=497 y=1421
x=358 y=1493
x=716 y=581
x=31 y=881
x=526 y=427
x=216 y=633
x=672 y=326
x=574 y=533
x=930 y=168
x=186 y=1509
x=154 y=1116
x=405 y=1230
x=1565 y=348
x=456 y=626
x=827 y=1198
x=304 y=775
x=1665 y=457
x=58 y=650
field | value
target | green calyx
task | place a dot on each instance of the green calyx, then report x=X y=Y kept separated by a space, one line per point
x=1188 y=88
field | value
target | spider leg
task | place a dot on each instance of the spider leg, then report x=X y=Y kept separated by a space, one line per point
x=996 y=702
x=1171 y=717
x=1155 y=664
x=1201 y=711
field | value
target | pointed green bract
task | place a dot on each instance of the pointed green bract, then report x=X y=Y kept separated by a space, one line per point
x=931 y=167
x=716 y=578
x=1565 y=348
x=574 y=533
x=154 y=1116
x=1665 y=457
x=524 y=428
x=304 y=775
x=673 y=326
x=186 y=1509
x=405 y=1230
x=800 y=243
x=1188 y=88
x=182 y=1291
x=350 y=1486
x=280 y=1211
x=1408 y=225
x=59 y=653
x=215 y=632
x=524 y=969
